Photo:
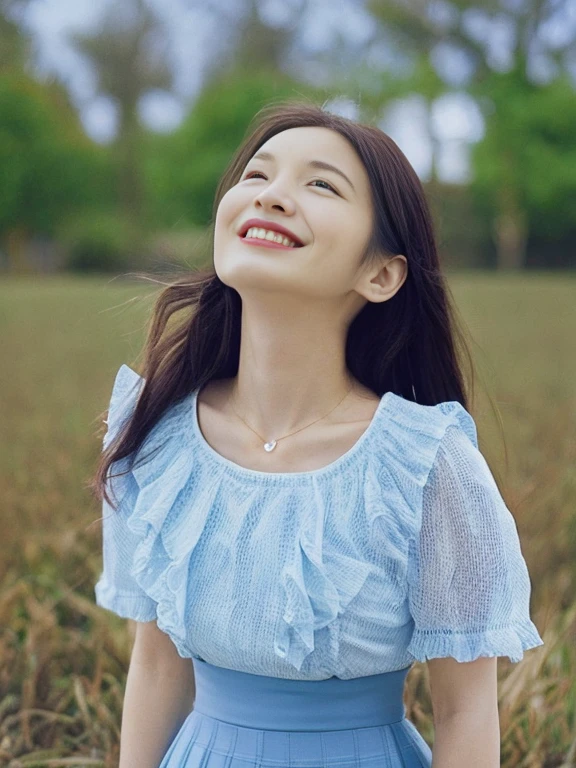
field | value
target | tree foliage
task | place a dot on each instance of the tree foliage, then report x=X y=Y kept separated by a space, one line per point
x=129 y=56
x=49 y=167
x=529 y=145
x=518 y=146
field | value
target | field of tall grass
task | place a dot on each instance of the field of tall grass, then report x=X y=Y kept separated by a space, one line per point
x=63 y=660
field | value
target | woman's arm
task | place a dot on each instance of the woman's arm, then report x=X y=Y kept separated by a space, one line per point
x=465 y=704
x=159 y=695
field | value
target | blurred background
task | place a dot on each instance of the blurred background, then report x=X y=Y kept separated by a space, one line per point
x=116 y=119
x=116 y=122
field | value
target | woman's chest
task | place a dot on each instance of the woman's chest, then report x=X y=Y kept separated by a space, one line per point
x=257 y=548
x=277 y=583
x=308 y=449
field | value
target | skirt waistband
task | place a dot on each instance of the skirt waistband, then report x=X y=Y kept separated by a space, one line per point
x=259 y=701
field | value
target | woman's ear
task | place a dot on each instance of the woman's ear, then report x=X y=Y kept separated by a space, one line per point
x=386 y=281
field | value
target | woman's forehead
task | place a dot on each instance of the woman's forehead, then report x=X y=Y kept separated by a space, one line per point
x=304 y=138
x=310 y=144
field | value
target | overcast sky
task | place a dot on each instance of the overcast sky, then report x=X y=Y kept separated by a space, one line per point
x=456 y=121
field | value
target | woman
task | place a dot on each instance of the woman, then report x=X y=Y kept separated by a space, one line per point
x=301 y=510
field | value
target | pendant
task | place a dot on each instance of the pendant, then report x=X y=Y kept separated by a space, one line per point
x=270 y=446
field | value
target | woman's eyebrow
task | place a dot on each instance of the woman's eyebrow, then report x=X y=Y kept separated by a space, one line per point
x=319 y=164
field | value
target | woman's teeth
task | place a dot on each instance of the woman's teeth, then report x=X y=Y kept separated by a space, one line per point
x=267 y=234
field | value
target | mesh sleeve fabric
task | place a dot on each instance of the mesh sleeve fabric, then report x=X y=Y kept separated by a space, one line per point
x=469 y=587
x=116 y=589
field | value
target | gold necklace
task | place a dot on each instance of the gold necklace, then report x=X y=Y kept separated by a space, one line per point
x=270 y=445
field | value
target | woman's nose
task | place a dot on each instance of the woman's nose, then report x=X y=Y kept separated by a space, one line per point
x=274 y=198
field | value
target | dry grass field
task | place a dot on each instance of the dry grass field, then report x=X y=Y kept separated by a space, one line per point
x=63 y=660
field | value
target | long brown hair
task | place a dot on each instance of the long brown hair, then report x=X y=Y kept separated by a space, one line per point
x=412 y=344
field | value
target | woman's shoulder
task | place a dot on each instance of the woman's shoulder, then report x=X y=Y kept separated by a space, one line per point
x=123 y=398
x=172 y=423
x=126 y=378
x=420 y=424
x=405 y=447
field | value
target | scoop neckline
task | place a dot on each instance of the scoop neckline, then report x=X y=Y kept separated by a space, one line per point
x=327 y=469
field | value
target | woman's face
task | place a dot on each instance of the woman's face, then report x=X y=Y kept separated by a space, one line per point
x=330 y=215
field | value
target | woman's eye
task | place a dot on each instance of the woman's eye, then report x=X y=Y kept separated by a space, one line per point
x=251 y=174
x=321 y=181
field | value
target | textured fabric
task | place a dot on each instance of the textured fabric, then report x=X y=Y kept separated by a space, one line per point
x=400 y=550
x=241 y=720
x=469 y=586
x=207 y=742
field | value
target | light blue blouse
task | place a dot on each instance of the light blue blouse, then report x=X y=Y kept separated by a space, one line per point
x=402 y=549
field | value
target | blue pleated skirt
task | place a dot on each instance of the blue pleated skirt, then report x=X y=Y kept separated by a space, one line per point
x=241 y=720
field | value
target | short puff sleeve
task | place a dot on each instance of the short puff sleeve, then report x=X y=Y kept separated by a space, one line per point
x=468 y=583
x=116 y=589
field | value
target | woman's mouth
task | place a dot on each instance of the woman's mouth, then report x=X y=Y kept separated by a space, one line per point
x=265 y=243
x=268 y=238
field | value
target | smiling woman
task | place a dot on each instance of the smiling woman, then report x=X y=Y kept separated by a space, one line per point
x=301 y=505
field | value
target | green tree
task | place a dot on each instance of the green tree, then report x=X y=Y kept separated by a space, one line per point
x=14 y=43
x=49 y=167
x=530 y=157
x=129 y=53
x=468 y=30
x=245 y=42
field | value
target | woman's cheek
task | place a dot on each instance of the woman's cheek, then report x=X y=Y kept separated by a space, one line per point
x=235 y=198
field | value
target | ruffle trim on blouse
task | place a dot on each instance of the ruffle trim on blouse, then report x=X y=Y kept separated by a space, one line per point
x=140 y=609
x=167 y=537
x=406 y=449
x=315 y=595
x=395 y=469
x=509 y=641
x=127 y=387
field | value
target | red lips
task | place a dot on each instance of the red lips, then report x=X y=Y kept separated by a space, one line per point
x=271 y=225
